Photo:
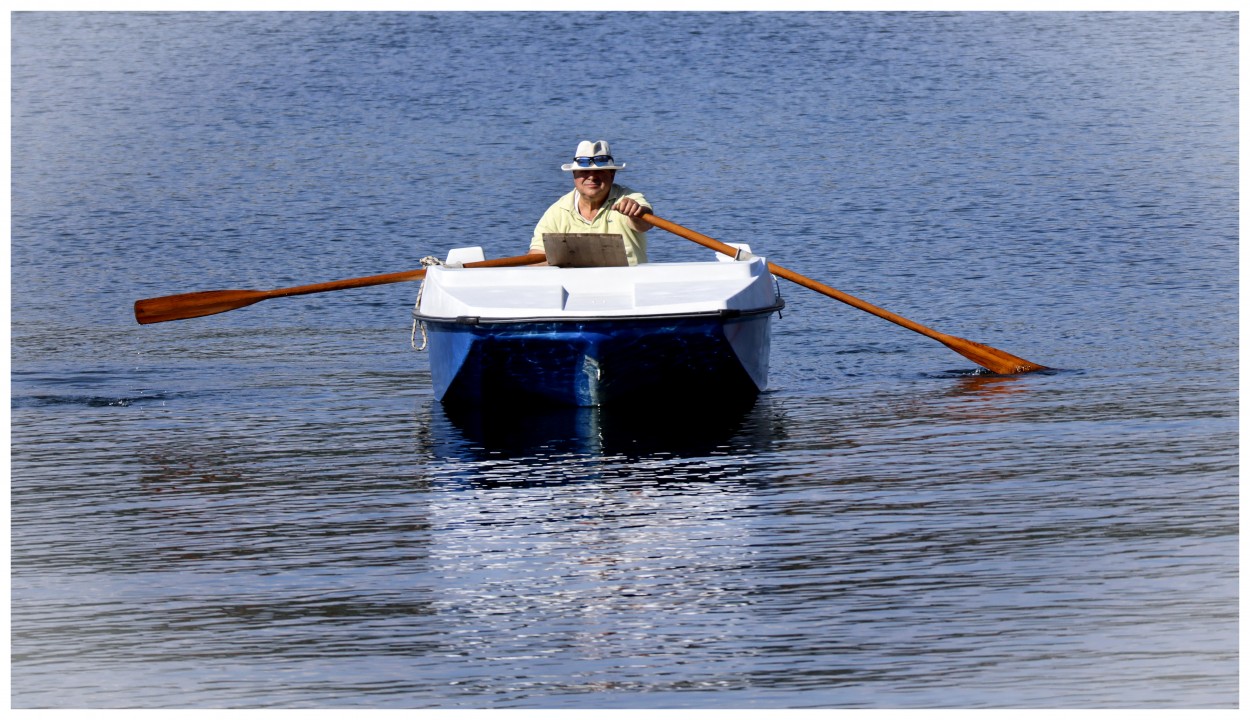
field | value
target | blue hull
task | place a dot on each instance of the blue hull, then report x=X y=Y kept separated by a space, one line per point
x=591 y=362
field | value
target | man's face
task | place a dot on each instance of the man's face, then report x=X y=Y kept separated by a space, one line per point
x=593 y=184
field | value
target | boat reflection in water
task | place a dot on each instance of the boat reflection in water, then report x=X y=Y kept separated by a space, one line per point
x=606 y=430
x=476 y=433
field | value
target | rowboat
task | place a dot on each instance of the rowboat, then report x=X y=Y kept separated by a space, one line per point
x=592 y=336
x=586 y=337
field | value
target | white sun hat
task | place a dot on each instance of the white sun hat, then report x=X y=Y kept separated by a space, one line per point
x=593 y=156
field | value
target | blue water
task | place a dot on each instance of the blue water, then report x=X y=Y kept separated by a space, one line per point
x=267 y=508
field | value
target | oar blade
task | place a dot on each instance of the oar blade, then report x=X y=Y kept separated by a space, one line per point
x=193 y=305
x=990 y=358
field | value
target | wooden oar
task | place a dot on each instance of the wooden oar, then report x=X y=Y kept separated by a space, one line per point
x=992 y=359
x=211 y=302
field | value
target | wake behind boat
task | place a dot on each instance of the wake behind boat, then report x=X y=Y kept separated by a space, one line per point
x=588 y=336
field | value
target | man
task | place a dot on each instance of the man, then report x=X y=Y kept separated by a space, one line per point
x=596 y=204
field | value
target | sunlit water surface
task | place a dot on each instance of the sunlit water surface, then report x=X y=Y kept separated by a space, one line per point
x=267 y=508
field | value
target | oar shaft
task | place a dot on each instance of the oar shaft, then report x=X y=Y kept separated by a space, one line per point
x=387 y=278
x=794 y=277
x=853 y=301
x=359 y=282
x=983 y=355
x=212 y=302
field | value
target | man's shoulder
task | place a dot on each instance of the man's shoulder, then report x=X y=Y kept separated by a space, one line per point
x=560 y=210
x=565 y=203
x=620 y=191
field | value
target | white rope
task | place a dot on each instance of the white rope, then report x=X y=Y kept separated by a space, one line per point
x=426 y=262
x=413 y=340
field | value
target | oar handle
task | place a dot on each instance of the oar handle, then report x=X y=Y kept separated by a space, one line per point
x=983 y=355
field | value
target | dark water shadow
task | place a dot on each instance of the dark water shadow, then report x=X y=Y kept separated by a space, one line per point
x=639 y=430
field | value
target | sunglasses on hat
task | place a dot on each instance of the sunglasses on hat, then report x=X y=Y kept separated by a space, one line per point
x=596 y=161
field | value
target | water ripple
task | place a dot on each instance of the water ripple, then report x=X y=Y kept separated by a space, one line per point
x=267 y=508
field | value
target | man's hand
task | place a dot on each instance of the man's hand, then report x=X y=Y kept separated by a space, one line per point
x=635 y=211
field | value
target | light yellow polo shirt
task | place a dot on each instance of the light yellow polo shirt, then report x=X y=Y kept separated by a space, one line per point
x=563 y=217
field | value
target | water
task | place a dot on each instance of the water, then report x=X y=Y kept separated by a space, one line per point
x=267 y=508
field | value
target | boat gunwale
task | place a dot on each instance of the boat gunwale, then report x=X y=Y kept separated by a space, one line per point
x=723 y=313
